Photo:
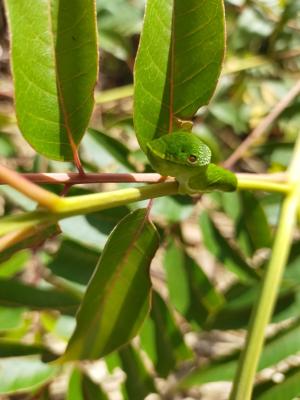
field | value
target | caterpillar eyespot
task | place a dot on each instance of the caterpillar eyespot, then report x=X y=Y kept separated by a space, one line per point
x=192 y=159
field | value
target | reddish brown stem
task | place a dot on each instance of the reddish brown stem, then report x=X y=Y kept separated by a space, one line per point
x=72 y=178
x=29 y=189
x=66 y=189
x=77 y=161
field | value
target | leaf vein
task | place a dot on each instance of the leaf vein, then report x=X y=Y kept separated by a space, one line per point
x=146 y=118
x=44 y=119
x=152 y=95
x=80 y=106
x=193 y=76
x=189 y=11
x=31 y=82
x=69 y=28
x=69 y=49
x=198 y=29
x=179 y=110
x=198 y=44
x=80 y=74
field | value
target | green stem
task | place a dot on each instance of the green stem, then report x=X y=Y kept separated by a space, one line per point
x=89 y=203
x=267 y=186
x=243 y=383
x=26 y=221
x=43 y=197
x=115 y=94
x=66 y=286
x=64 y=207
x=19 y=235
x=100 y=201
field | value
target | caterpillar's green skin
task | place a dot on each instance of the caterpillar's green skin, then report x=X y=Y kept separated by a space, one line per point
x=184 y=156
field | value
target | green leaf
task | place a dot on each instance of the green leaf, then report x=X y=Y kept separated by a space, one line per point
x=14 y=294
x=190 y=290
x=11 y=318
x=139 y=383
x=13 y=348
x=278 y=348
x=39 y=235
x=92 y=230
x=231 y=204
x=74 y=386
x=74 y=262
x=91 y=390
x=220 y=248
x=252 y=230
x=292 y=272
x=223 y=371
x=201 y=288
x=162 y=339
x=178 y=63
x=288 y=389
x=178 y=288
x=53 y=94
x=113 y=361
x=14 y=264
x=255 y=221
x=239 y=303
x=25 y=375
x=118 y=296
x=283 y=345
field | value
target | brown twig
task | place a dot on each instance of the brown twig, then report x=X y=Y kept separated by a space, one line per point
x=284 y=55
x=263 y=126
x=29 y=189
x=72 y=178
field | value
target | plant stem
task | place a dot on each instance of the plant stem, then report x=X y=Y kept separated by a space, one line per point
x=41 y=196
x=63 y=207
x=85 y=204
x=114 y=94
x=279 y=177
x=25 y=222
x=73 y=178
x=16 y=237
x=100 y=201
x=243 y=383
x=63 y=284
x=267 y=186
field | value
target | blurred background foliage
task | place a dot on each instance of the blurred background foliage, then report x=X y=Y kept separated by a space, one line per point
x=213 y=249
